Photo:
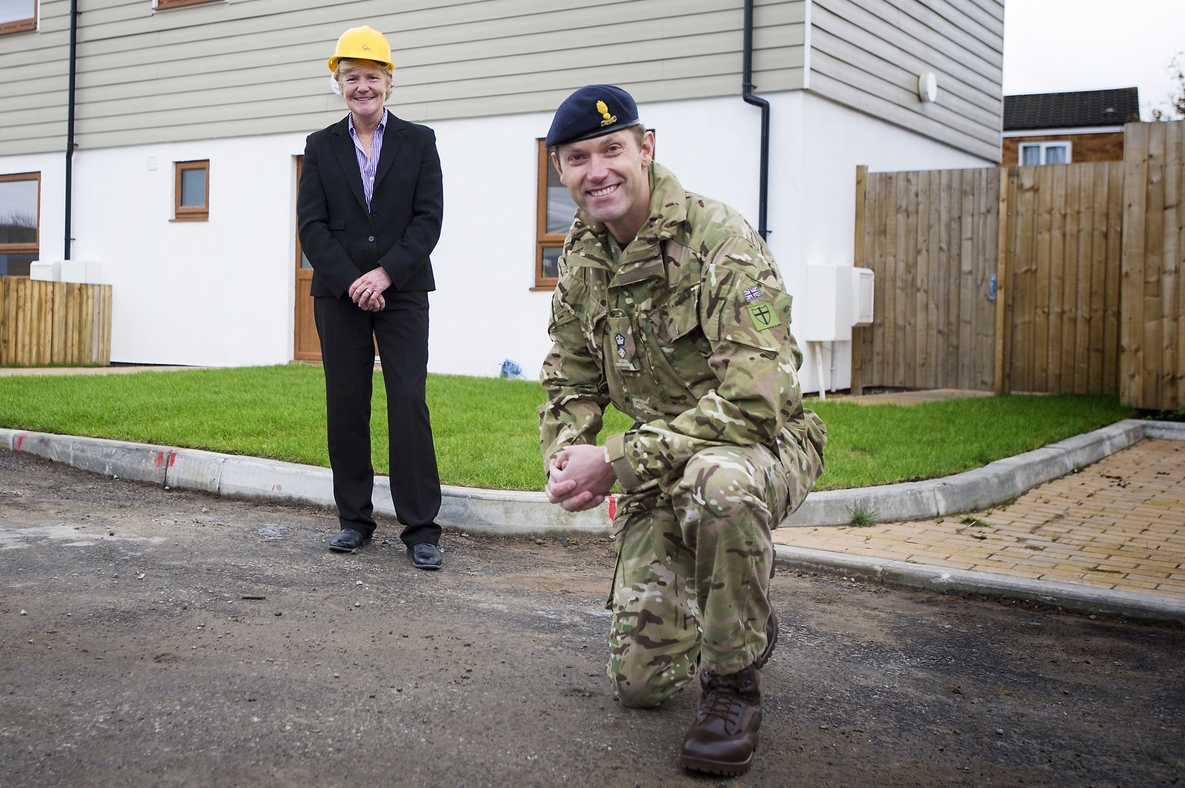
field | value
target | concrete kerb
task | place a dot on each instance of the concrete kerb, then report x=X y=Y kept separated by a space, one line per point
x=991 y=485
x=525 y=513
x=1165 y=430
x=120 y=459
x=499 y=512
x=503 y=512
x=1068 y=596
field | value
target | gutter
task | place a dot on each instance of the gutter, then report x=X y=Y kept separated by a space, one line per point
x=1043 y=132
x=70 y=121
x=747 y=87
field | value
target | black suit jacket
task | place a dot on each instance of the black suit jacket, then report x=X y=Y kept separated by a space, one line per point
x=341 y=238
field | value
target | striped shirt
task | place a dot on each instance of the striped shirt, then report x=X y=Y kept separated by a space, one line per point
x=368 y=164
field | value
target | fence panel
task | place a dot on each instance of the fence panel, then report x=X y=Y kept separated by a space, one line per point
x=1062 y=291
x=931 y=239
x=1090 y=259
x=1152 y=329
x=54 y=323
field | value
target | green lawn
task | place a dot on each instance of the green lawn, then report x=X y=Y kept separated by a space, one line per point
x=486 y=429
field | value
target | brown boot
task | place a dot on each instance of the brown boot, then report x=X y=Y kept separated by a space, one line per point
x=724 y=735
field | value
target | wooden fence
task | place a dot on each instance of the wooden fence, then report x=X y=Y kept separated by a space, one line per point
x=1060 y=318
x=54 y=323
x=931 y=238
x=1152 y=326
x=1087 y=263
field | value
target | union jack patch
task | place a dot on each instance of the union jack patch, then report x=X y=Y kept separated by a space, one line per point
x=752 y=293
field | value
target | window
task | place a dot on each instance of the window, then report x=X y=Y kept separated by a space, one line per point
x=18 y=15
x=161 y=5
x=191 y=192
x=20 y=202
x=1045 y=153
x=555 y=213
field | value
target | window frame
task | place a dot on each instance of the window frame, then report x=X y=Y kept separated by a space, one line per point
x=543 y=239
x=22 y=25
x=165 y=5
x=1044 y=145
x=189 y=213
x=33 y=248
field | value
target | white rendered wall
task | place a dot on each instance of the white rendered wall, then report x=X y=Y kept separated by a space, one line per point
x=221 y=292
x=218 y=292
x=484 y=311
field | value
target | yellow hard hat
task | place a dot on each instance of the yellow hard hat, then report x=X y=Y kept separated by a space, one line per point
x=362 y=43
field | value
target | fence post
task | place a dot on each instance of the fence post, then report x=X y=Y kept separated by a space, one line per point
x=1131 y=288
x=857 y=381
x=999 y=385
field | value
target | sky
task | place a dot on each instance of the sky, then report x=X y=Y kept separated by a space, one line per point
x=1055 y=46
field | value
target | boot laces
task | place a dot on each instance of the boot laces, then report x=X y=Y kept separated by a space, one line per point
x=724 y=701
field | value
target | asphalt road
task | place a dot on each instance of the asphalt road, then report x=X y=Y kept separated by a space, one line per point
x=156 y=637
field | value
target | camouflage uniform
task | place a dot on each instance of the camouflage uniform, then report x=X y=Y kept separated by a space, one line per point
x=687 y=331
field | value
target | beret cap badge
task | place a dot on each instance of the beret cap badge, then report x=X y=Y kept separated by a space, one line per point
x=604 y=110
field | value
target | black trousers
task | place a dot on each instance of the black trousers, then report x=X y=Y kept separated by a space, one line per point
x=348 y=336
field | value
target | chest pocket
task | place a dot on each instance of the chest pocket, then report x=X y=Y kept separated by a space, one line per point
x=679 y=341
x=575 y=300
x=675 y=320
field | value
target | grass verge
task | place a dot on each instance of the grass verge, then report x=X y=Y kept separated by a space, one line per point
x=486 y=429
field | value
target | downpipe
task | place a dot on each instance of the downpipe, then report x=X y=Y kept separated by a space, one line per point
x=747 y=88
x=70 y=122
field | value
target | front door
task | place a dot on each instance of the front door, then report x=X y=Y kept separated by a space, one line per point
x=307 y=346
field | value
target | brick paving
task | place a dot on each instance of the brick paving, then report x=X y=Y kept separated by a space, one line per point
x=1118 y=524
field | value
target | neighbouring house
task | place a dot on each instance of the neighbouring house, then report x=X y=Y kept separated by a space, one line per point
x=1059 y=128
x=191 y=115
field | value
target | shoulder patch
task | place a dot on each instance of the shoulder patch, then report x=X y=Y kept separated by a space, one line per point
x=763 y=316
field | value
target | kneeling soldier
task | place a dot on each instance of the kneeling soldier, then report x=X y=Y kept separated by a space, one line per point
x=670 y=307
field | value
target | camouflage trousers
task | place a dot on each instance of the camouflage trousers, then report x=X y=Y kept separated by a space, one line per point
x=693 y=572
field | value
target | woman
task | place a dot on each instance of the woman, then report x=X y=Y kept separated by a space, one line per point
x=370 y=207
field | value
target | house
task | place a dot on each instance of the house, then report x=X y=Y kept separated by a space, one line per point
x=190 y=118
x=1059 y=128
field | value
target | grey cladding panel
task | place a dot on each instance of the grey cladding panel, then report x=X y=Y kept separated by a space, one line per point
x=868 y=55
x=179 y=74
x=191 y=73
x=894 y=113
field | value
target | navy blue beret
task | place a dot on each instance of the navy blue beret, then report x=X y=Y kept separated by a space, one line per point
x=590 y=112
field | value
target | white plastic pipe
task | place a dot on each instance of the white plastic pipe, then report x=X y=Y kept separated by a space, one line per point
x=819 y=370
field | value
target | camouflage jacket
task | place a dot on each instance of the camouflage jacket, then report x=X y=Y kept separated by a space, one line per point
x=688 y=334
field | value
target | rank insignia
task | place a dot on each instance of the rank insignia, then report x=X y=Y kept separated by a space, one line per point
x=603 y=108
x=752 y=293
x=625 y=352
x=763 y=317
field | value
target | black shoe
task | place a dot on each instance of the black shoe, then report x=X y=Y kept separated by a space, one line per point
x=425 y=556
x=347 y=541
